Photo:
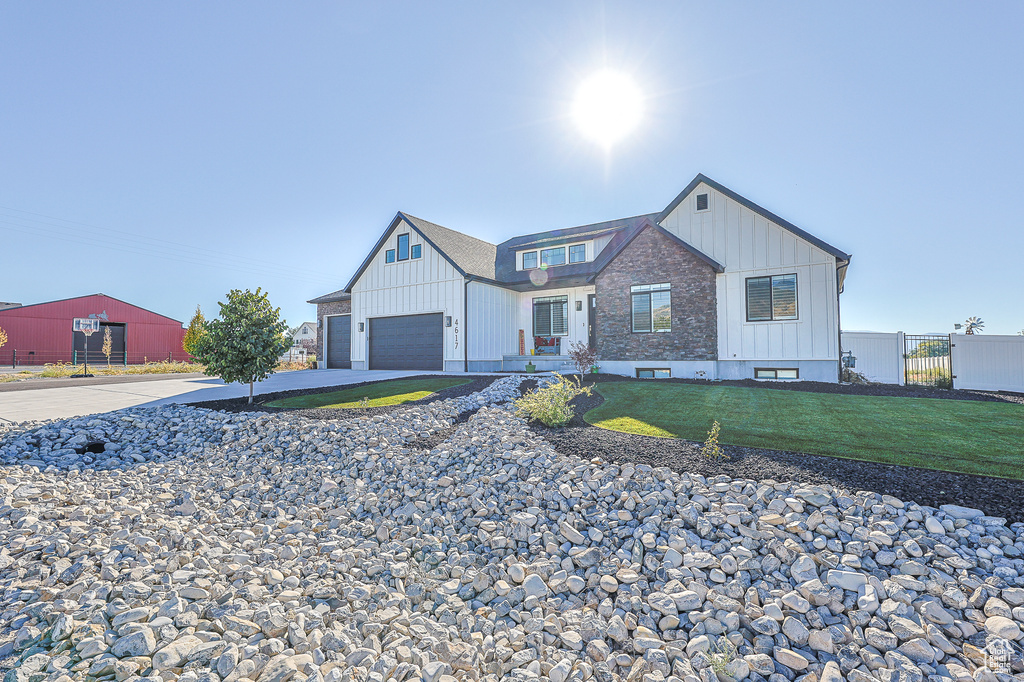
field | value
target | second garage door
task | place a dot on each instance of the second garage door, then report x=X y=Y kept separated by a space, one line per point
x=407 y=342
x=339 y=340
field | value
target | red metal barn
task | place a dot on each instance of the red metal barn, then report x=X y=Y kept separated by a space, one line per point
x=41 y=333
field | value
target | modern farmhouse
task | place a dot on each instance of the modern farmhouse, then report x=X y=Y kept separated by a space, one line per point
x=713 y=286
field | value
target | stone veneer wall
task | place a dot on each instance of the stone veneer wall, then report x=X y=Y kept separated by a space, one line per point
x=332 y=308
x=654 y=258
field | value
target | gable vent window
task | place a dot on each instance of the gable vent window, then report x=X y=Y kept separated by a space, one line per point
x=702 y=202
x=389 y=256
x=417 y=250
x=771 y=298
x=403 y=247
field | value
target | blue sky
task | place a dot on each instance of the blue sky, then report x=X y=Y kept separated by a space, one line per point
x=164 y=153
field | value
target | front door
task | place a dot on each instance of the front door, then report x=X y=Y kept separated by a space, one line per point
x=592 y=320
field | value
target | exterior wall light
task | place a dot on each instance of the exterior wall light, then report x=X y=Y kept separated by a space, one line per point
x=360 y=326
x=579 y=306
x=447 y=320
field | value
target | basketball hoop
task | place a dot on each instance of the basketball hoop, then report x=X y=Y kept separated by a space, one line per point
x=87 y=326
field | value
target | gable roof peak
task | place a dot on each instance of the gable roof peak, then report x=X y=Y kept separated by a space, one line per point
x=760 y=210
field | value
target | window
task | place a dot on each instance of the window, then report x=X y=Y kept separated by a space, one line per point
x=771 y=298
x=529 y=260
x=653 y=374
x=551 y=316
x=554 y=256
x=417 y=250
x=403 y=247
x=578 y=253
x=771 y=373
x=702 y=202
x=652 y=307
x=389 y=256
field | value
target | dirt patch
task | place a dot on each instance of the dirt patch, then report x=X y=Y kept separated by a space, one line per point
x=995 y=496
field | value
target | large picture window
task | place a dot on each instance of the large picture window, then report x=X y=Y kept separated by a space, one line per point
x=652 y=307
x=551 y=316
x=403 y=247
x=771 y=298
x=554 y=256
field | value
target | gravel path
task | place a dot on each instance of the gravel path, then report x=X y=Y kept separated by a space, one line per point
x=997 y=496
x=201 y=545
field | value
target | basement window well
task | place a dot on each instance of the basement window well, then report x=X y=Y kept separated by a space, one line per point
x=653 y=373
x=772 y=373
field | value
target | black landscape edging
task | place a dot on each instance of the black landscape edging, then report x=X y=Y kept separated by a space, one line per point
x=995 y=496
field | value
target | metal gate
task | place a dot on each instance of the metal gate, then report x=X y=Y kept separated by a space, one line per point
x=927 y=360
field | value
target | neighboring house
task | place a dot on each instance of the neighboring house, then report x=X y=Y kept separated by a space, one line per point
x=713 y=286
x=304 y=332
x=41 y=333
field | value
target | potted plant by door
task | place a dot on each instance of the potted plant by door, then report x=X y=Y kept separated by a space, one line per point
x=531 y=368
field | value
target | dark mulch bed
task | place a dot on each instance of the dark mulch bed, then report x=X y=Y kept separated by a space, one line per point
x=845 y=389
x=259 y=405
x=995 y=496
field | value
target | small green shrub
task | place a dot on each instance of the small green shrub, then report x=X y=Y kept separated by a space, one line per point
x=550 y=404
x=59 y=369
x=942 y=379
x=722 y=654
x=711 y=449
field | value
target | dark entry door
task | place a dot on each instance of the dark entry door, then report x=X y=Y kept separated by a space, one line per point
x=339 y=342
x=592 y=319
x=96 y=354
x=407 y=342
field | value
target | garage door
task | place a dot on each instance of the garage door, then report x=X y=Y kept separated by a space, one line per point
x=407 y=342
x=339 y=341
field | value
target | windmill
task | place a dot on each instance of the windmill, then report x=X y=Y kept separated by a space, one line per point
x=973 y=325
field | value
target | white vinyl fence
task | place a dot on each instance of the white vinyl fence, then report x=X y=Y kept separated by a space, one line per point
x=979 y=362
x=879 y=356
x=988 y=363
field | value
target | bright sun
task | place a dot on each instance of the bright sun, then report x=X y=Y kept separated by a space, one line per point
x=608 y=106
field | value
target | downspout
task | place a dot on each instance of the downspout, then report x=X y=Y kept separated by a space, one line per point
x=465 y=325
x=839 y=326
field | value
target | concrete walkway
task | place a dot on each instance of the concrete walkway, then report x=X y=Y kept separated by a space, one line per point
x=73 y=401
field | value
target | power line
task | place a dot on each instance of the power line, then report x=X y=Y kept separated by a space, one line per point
x=153 y=247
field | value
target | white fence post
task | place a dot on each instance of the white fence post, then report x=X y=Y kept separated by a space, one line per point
x=901 y=354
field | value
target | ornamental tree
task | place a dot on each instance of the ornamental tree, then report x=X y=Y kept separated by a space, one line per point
x=108 y=343
x=195 y=333
x=244 y=343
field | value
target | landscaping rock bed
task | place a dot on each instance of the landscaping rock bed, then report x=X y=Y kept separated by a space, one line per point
x=997 y=496
x=270 y=547
x=259 y=402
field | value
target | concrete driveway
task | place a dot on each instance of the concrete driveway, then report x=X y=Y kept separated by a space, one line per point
x=82 y=399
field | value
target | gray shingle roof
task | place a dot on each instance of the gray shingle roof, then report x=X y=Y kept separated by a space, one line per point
x=338 y=295
x=474 y=256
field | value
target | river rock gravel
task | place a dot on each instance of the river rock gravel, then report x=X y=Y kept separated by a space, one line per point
x=180 y=543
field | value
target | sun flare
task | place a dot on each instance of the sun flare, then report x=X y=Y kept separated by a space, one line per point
x=608 y=106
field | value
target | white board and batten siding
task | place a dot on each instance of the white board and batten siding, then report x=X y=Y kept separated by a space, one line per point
x=492 y=329
x=988 y=363
x=749 y=245
x=429 y=284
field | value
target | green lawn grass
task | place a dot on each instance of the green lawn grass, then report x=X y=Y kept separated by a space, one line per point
x=394 y=392
x=950 y=435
